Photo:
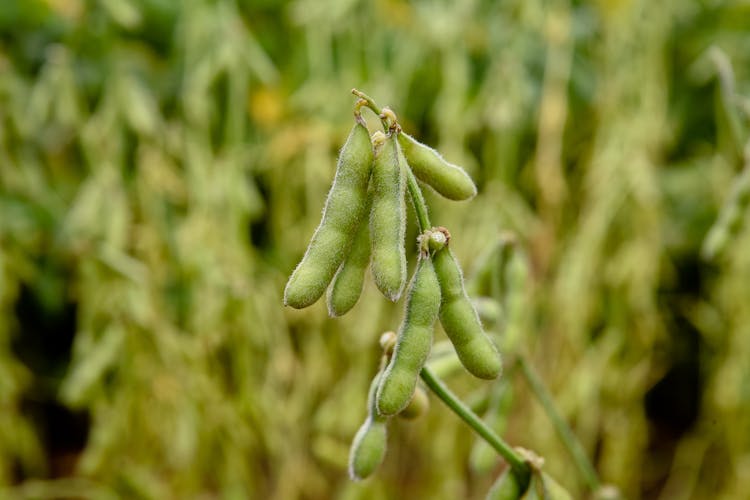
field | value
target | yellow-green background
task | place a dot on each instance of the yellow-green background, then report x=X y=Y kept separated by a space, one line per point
x=163 y=165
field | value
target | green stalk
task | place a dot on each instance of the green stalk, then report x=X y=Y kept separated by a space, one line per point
x=520 y=468
x=564 y=431
x=420 y=207
x=374 y=107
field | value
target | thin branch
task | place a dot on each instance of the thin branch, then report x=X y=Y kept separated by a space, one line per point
x=368 y=101
x=520 y=468
x=420 y=207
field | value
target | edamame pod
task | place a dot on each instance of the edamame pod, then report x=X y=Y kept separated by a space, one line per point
x=507 y=487
x=460 y=320
x=347 y=284
x=399 y=379
x=388 y=220
x=430 y=167
x=344 y=209
x=368 y=448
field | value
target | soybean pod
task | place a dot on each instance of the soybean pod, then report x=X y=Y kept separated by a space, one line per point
x=450 y=180
x=399 y=379
x=346 y=287
x=344 y=209
x=460 y=321
x=388 y=220
x=368 y=448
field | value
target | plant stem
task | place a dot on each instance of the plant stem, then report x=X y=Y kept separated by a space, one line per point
x=520 y=468
x=370 y=102
x=561 y=426
x=373 y=106
x=420 y=207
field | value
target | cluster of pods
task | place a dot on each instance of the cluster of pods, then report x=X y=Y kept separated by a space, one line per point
x=363 y=224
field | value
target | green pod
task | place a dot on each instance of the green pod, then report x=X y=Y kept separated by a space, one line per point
x=460 y=320
x=369 y=445
x=388 y=220
x=507 y=487
x=430 y=167
x=347 y=284
x=344 y=209
x=399 y=379
x=368 y=449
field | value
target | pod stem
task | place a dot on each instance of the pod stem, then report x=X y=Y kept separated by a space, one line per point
x=370 y=103
x=420 y=207
x=520 y=468
x=564 y=432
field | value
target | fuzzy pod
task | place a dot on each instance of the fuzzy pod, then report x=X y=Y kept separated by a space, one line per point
x=346 y=286
x=368 y=449
x=506 y=487
x=399 y=379
x=388 y=220
x=344 y=209
x=460 y=320
x=450 y=180
x=369 y=445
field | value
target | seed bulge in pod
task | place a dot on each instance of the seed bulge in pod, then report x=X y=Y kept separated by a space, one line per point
x=451 y=181
x=388 y=221
x=414 y=341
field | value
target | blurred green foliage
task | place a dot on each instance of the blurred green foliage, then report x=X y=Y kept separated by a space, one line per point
x=163 y=164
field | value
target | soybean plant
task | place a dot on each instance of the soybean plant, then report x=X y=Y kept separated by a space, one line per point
x=363 y=225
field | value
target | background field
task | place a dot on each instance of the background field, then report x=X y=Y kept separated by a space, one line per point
x=163 y=165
